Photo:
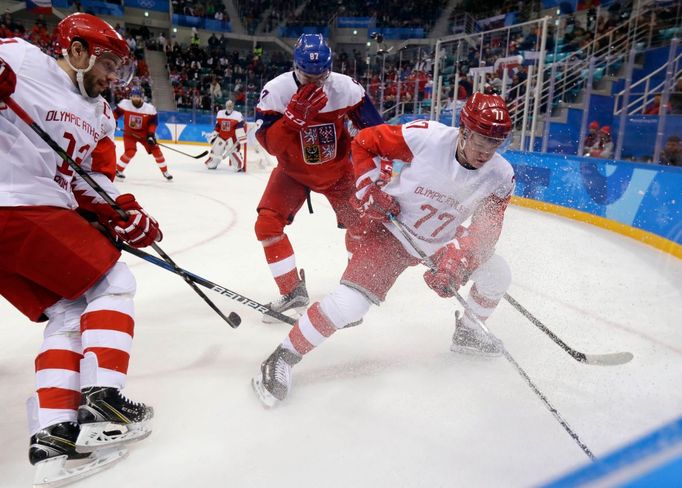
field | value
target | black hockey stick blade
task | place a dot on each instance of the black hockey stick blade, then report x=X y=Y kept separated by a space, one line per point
x=258 y=307
x=233 y=319
x=198 y=156
x=201 y=155
x=608 y=359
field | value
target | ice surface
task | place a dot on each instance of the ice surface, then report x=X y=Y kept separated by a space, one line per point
x=384 y=404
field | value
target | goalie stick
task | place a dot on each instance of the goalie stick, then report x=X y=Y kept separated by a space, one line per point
x=139 y=138
x=427 y=261
x=233 y=319
x=608 y=359
x=258 y=307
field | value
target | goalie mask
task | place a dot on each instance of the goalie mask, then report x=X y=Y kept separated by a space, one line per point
x=229 y=107
x=485 y=127
x=312 y=59
x=104 y=45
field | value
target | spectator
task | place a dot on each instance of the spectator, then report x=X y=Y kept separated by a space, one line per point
x=592 y=137
x=655 y=106
x=604 y=146
x=215 y=90
x=672 y=152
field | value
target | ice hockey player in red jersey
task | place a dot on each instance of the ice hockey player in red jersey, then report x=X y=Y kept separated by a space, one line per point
x=303 y=114
x=227 y=138
x=57 y=267
x=139 y=126
x=448 y=176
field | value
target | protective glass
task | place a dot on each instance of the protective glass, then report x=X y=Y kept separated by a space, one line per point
x=122 y=69
x=305 y=78
x=487 y=145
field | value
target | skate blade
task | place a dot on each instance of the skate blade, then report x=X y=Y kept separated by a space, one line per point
x=105 y=434
x=472 y=351
x=54 y=472
x=263 y=395
x=295 y=313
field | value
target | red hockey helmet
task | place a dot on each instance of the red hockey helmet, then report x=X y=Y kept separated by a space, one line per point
x=486 y=115
x=99 y=39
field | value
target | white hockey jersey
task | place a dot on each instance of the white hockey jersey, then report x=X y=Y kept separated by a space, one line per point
x=435 y=192
x=31 y=173
x=226 y=125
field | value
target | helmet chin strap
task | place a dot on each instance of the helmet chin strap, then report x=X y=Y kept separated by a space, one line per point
x=80 y=73
x=459 y=151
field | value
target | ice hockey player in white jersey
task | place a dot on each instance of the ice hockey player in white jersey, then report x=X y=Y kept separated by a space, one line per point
x=57 y=267
x=448 y=176
x=227 y=138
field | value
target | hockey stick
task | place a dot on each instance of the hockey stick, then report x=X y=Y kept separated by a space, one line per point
x=258 y=307
x=234 y=320
x=428 y=262
x=139 y=138
x=608 y=359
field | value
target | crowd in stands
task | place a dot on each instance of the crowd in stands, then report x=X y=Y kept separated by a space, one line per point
x=271 y=12
x=211 y=9
x=204 y=77
x=387 y=13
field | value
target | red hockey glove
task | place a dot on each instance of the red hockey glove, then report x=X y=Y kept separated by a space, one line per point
x=140 y=230
x=376 y=204
x=304 y=106
x=453 y=271
x=151 y=140
x=8 y=80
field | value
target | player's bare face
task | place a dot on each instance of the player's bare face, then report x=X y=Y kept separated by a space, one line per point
x=479 y=149
x=103 y=73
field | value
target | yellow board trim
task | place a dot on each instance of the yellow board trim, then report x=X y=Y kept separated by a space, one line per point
x=644 y=236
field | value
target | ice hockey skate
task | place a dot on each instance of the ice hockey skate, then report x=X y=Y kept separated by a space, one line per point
x=120 y=175
x=107 y=418
x=273 y=384
x=167 y=175
x=53 y=452
x=474 y=341
x=292 y=304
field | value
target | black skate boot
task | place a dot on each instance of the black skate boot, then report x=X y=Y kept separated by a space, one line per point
x=53 y=446
x=296 y=301
x=167 y=175
x=55 y=440
x=120 y=175
x=474 y=340
x=274 y=382
x=108 y=418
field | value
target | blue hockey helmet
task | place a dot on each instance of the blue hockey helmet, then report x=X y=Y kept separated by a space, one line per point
x=136 y=91
x=312 y=55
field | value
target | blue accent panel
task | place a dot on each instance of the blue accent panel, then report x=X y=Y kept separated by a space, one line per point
x=365 y=115
x=195 y=133
x=155 y=5
x=668 y=475
x=102 y=8
x=359 y=22
x=297 y=31
x=644 y=196
x=268 y=119
x=202 y=23
x=162 y=132
x=643 y=450
x=625 y=209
